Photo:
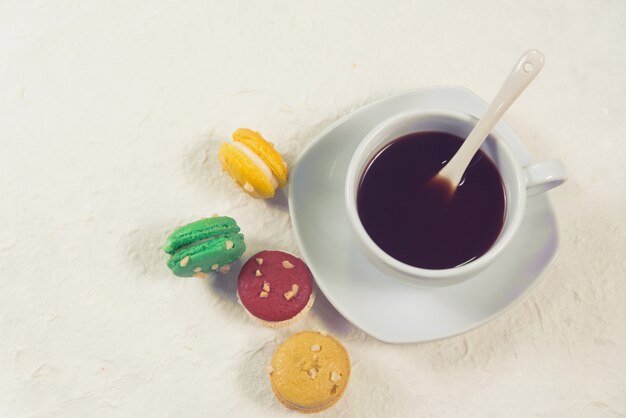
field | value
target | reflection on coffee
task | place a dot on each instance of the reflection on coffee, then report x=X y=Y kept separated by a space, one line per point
x=420 y=225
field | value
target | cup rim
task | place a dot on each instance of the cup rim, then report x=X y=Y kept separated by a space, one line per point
x=515 y=209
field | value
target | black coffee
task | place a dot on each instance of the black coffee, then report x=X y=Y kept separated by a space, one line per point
x=419 y=224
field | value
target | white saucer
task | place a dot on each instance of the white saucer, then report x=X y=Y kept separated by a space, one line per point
x=387 y=308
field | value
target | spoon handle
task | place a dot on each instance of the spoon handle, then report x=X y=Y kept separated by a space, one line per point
x=525 y=71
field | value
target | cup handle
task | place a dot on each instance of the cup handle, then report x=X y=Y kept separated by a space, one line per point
x=544 y=176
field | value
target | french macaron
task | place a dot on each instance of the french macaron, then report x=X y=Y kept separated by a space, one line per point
x=254 y=163
x=309 y=371
x=204 y=246
x=276 y=288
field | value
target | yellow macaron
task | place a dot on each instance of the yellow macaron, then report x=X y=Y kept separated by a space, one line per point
x=310 y=371
x=254 y=163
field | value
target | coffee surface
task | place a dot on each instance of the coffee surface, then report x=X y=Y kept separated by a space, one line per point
x=413 y=219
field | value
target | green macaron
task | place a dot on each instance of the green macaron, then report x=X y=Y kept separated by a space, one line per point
x=204 y=246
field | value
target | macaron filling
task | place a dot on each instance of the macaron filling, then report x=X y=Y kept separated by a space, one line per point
x=258 y=161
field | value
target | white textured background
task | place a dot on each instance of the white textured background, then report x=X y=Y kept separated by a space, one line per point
x=110 y=117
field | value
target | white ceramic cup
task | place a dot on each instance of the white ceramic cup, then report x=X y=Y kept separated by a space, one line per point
x=519 y=183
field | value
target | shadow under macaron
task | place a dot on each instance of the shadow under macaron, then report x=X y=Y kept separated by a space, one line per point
x=224 y=285
x=333 y=322
x=280 y=200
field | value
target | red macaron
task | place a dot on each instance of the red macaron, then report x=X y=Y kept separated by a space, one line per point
x=276 y=288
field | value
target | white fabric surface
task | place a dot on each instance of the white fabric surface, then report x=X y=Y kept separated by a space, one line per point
x=110 y=117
